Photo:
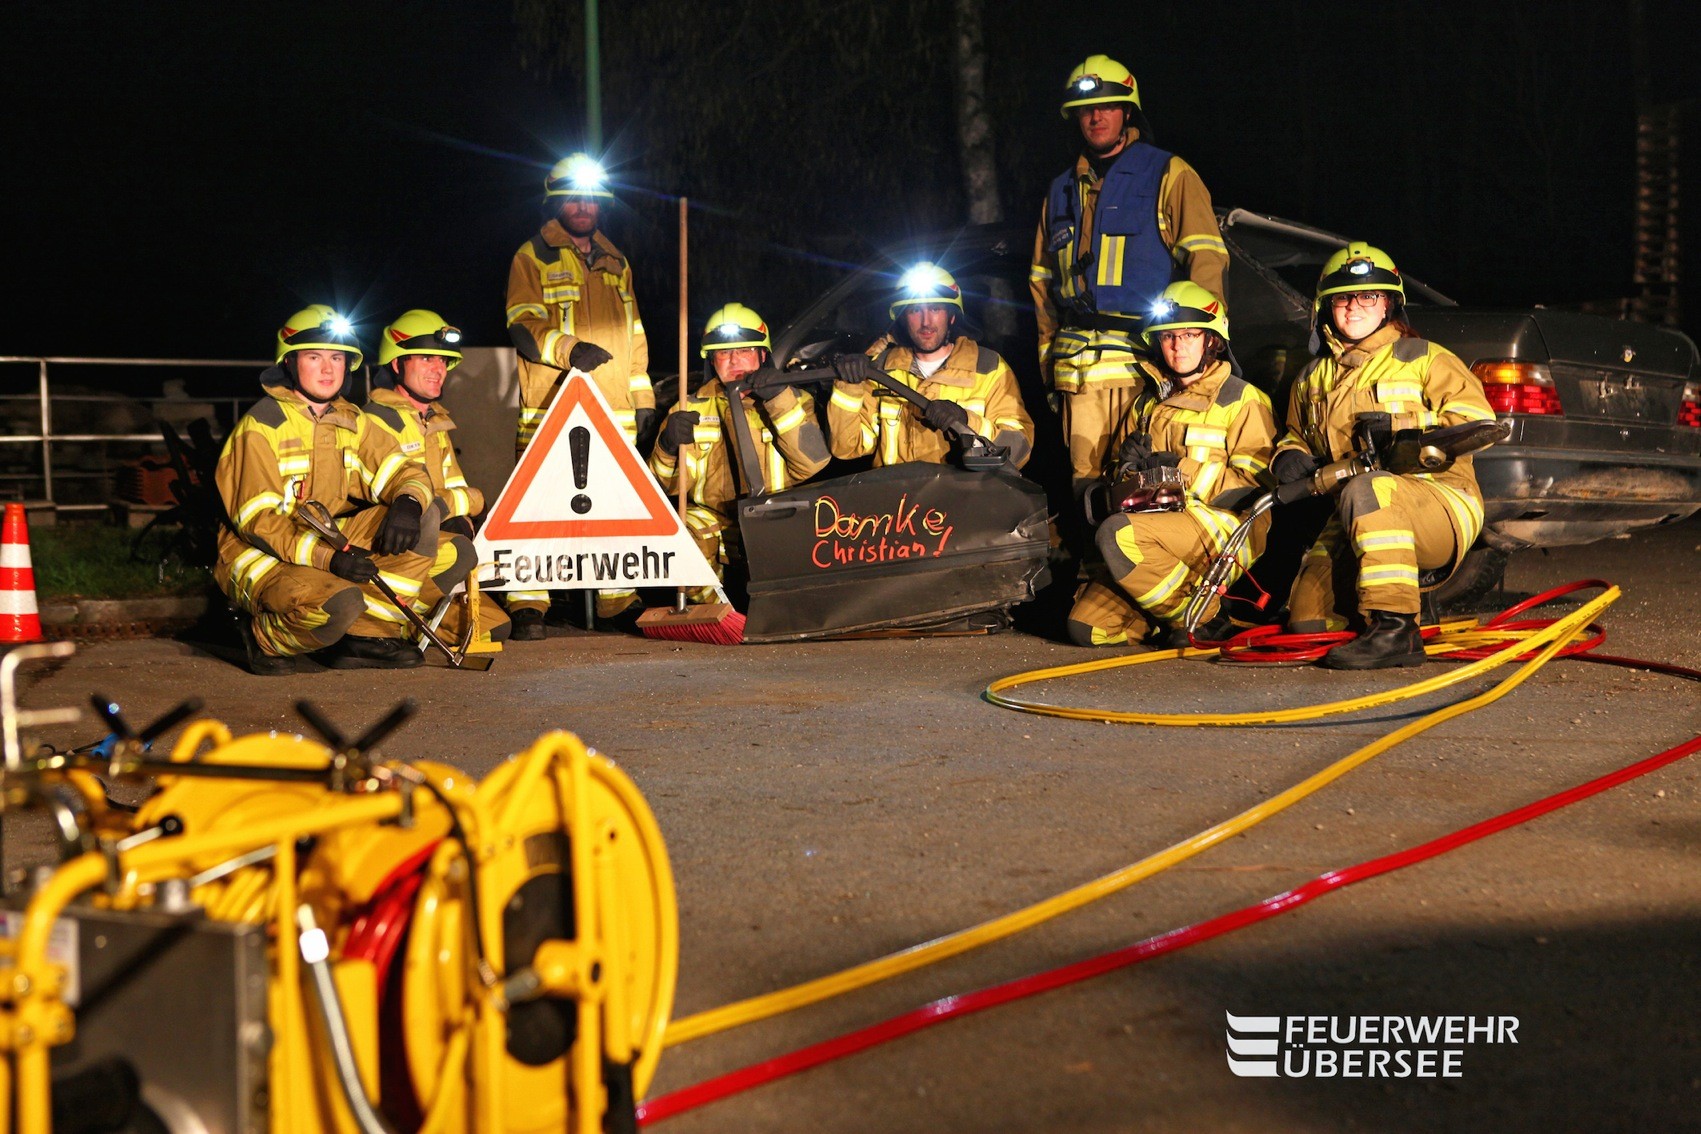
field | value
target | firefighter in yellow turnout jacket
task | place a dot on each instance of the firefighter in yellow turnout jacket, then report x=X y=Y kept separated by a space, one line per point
x=1218 y=432
x=1387 y=528
x=571 y=306
x=302 y=442
x=1117 y=228
x=699 y=441
x=970 y=386
x=415 y=355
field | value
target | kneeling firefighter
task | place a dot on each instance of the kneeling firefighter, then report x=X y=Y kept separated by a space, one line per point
x=415 y=355
x=1184 y=465
x=304 y=442
x=1376 y=379
x=744 y=426
x=967 y=388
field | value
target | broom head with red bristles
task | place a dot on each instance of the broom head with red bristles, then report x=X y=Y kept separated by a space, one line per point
x=713 y=624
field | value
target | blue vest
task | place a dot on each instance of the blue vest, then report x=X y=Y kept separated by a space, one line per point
x=1129 y=267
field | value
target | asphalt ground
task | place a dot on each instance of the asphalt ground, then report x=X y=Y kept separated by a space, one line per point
x=828 y=803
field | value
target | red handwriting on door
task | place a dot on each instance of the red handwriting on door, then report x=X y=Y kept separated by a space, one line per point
x=907 y=531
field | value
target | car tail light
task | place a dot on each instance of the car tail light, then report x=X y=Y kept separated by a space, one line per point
x=1518 y=387
x=1689 y=413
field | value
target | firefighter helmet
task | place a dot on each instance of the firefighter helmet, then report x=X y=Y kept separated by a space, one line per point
x=1100 y=79
x=1360 y=267
x=1185 y=304
x=926 y=283
x=420 y=332
x=731 y=327
x=318 y=327
x=577 y=175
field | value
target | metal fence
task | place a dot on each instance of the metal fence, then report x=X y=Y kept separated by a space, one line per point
x=228 y=408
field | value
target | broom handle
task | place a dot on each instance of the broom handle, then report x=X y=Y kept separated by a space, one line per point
x=684 y=330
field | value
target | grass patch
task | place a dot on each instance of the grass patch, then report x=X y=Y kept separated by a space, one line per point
x=93 y=561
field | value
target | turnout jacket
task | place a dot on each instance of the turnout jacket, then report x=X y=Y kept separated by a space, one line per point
x=864 y=418
x=1073 y=260
x=278 y=455
x=789 y=446
x=423 y=435
x=1420 y=384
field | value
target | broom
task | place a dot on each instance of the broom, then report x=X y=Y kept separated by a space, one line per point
x=716 y=623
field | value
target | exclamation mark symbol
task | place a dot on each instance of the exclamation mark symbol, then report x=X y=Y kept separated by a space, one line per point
x=579 y=448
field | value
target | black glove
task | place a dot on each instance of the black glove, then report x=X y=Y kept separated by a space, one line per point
x=1292 y=465
x=642 y=419
x=678 y=431
x=401 y=527
x=1164 y=459
x=1135 y=451
x=855 y=368
x=586 y=356
x=946 y=417
x=354 y=566
x=768 y=383
x=458 y=525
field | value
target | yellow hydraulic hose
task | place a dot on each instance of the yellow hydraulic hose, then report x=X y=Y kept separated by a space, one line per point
x=1550 y=640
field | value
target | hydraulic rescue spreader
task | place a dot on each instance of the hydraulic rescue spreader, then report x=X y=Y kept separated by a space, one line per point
x=365 y=944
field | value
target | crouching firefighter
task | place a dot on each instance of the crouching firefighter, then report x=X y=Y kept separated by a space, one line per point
x=1377 y=384
x=415 y=355
x=968 y=391
x=1184 y=466
x=303 y=442
x=744 y=428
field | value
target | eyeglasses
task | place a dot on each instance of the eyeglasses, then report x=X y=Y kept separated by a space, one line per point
x=1364 y=299
x=1174 y=338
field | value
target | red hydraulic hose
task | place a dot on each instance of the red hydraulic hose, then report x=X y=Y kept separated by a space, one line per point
x=953 y=1007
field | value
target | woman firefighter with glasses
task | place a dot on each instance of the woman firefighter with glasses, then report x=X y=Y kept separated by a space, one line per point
x=1186 y=463
x=1375 y=378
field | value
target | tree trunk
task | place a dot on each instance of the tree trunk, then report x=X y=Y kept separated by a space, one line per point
x=974 y=138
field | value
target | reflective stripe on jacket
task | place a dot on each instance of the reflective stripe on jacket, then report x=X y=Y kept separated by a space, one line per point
x=424 y=436
x=789 y=445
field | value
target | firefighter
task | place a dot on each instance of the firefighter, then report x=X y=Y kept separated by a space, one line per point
x=1218 y=432
x=571 y=307
x=1116 y=229
x=700 y=434
x=1387 y=528
x=302 y=442
x=415 y=355
x=971 y=387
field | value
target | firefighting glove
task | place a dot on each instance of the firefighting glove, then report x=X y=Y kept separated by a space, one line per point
x=1164 y=459
x=642 y=419
x=679 y=430
x=459 y=525
x=768 y=383
x=586 y=356
x=353 y=565
x=855 y=368
x=1136 y=451
x=946 y=417
x=1293 y=464
x=401 y=527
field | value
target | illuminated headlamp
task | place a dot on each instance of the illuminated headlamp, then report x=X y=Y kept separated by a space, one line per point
x=1359 y=267
x=337 y=329
x=730 y=331
x=338 y=326
x=1162 y=309
x=1086 y=84
x=448 y=336
x=923 y=280
x=586 y=175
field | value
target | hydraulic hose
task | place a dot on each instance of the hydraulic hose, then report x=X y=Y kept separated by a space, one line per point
x=954 y=1007
x=1551 y=639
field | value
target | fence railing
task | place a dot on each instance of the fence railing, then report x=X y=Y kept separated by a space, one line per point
x=47 y=437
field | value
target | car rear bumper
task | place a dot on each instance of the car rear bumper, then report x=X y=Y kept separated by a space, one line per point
x=1544 y=497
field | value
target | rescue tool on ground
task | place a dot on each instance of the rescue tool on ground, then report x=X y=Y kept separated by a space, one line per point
x=370 y=944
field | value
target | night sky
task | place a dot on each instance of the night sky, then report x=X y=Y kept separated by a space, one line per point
x=181 y=176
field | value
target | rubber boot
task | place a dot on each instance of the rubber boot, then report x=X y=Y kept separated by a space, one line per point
x=354 y=652
x=527 y=623
x=1217 y=629
x=1388 y=640
x=260 y=663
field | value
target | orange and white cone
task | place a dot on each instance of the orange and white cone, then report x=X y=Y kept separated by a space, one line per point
x=19 y=619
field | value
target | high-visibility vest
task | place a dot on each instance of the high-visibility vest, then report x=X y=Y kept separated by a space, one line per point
x=1129 y=265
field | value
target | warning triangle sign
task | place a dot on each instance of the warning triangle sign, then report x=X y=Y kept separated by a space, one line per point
x=581 y=510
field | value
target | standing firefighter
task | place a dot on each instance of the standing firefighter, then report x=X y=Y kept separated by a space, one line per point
x=699 y=440
x=1387 y=527
x=303 y=442
x=1117 y=228
x=415 y=355
x=970 y=386
x=1217 y=432
x=571 y=307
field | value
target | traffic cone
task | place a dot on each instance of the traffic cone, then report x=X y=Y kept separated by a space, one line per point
x=19 y=620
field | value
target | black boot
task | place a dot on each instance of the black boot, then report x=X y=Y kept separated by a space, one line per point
x=260 y=663
x=1388 y=640
x=352 y=652
x=527 y=623
x=1217 y=629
